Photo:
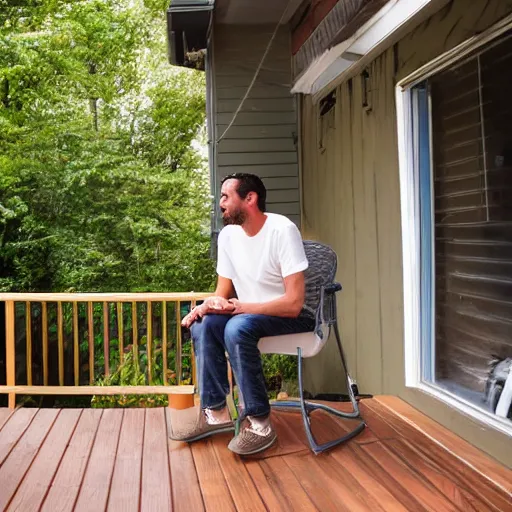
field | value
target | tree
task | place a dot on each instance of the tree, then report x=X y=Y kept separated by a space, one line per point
x=101 y=188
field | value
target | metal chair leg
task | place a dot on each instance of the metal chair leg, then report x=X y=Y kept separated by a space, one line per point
x=307 y=407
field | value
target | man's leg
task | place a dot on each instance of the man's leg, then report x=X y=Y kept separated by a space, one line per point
x=241 y=336
x=208 y=341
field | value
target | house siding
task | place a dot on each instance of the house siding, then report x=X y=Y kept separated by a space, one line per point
x=351 y=200
x=263 y=138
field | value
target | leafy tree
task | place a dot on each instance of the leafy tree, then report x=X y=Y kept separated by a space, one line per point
x=101 y=188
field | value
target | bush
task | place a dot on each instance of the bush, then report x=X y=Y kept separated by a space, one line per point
x=128 y=374
x=279 y=370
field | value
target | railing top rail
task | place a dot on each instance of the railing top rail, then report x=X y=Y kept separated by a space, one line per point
x=103 y=297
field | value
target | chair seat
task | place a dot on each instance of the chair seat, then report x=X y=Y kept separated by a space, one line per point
x=287 y=344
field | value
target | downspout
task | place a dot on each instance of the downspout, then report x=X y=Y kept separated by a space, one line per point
x=212 y=137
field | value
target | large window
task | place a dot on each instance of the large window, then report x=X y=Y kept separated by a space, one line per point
x=461 y=130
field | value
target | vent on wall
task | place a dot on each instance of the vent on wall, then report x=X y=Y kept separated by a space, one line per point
x=325 y=117
x=327 y=103
x=366 y=90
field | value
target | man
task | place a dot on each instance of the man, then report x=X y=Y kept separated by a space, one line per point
x=261 y=261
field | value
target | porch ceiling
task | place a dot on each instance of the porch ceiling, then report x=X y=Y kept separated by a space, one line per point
x=251 y=12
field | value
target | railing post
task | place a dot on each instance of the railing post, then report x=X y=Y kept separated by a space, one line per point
x=10 y=320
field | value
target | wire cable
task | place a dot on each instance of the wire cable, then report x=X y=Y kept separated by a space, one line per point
x=269 y=45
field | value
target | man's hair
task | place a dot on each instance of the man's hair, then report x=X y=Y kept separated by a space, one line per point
x=249 y=183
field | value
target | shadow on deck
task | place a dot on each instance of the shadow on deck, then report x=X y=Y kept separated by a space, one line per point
x=116 y=459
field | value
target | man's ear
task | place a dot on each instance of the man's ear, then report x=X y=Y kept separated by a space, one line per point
x=251 y=198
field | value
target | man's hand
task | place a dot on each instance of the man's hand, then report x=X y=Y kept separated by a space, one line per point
x=195 y=313
x=212 y=305
x=240 y=308
x=218 y=304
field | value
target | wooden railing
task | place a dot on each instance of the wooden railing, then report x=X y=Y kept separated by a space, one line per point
x=44 y=327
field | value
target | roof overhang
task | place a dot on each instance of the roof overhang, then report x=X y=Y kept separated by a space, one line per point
x=350 y=51
x=188 y=26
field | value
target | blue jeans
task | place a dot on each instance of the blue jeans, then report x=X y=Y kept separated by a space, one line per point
x=237 y=335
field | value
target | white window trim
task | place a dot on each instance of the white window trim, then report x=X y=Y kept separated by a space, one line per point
x=411 y=231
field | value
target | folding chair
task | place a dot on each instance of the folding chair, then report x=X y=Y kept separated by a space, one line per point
x=321 y=301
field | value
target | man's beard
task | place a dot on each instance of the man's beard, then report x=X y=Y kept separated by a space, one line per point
x=237 y=218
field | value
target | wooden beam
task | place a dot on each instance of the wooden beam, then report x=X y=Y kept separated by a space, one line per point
x=164 y=341
x=44 y=330
x=76 y=346
x=179 y=354
x=10 y=346
x=28 y=340
x=98 y=390
x=102 y=297
x=106 y=340
x=90 y=333
x=149 y=341
x=60 y=343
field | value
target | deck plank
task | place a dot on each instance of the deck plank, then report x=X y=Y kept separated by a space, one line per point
x=379 y=474
x=156 y=480
x=330 y=494
x=408 y=478
x=214 y=488
x=461 y=496
x=485 y=465
x=348 y=460
x=5 y=414
x=381 y=428
x=339 y=490
x=125 y=487
x=186 y=492
x=123 y=460
x=242 y=489
x=285 y=486
x=95 y=486
x=13 y=429
x=65 y=487
x=270 y=498
x=368 y=435
x=20 y=458
x=31 y=493
x=353 y=494
x=464 y=473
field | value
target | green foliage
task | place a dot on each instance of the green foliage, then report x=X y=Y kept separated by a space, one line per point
x=101 y=184
x=278 y=369
x=128 y=373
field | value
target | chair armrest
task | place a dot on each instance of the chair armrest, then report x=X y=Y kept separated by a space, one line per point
x=333 y=288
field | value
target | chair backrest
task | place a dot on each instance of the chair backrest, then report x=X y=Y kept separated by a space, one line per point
x=320 y=273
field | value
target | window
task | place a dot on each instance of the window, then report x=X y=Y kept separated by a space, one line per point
x=460 y=124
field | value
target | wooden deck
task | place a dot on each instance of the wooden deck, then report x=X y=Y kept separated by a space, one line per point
x=113 y=459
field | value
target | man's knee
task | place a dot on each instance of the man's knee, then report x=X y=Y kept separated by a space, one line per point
x=239 y=329
x=206 y=326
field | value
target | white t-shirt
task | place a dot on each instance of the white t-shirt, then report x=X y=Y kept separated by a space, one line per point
x=257 y=265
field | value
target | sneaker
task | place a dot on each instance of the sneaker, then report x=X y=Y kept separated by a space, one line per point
x=190 y=425
x=248 y=442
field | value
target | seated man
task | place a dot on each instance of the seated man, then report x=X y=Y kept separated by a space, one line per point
x=261 y=259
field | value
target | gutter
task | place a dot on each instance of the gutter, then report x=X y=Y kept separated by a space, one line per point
x=351 y=55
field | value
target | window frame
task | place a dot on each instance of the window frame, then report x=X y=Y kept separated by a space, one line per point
x=419 y=314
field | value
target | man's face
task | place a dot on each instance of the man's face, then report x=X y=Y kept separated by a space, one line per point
x=231 y=204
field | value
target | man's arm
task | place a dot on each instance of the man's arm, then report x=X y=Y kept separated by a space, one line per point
x=218 y=304
x=289 y=305
x=225 y=288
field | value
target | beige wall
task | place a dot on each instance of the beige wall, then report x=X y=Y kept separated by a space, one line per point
x=351 y=200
